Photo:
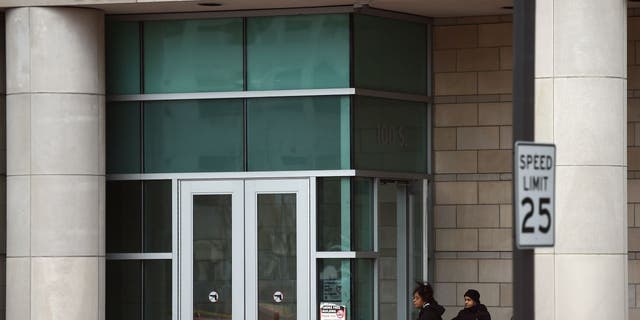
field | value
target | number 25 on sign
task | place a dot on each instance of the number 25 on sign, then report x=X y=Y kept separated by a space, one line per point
x=534 y=194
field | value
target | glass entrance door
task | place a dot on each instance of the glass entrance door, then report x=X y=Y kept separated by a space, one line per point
x=244 y=247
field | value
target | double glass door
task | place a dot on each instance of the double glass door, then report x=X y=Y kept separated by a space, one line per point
x=244 y=249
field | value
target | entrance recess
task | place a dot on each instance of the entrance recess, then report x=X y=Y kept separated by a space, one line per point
x=244 y=249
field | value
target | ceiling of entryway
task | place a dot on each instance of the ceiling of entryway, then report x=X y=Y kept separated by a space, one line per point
x=431 y=8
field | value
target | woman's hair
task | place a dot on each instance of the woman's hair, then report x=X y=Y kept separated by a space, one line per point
x=425 y=291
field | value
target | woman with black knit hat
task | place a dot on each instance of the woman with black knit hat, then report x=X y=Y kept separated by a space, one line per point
x=423 y=300
x=473 y=309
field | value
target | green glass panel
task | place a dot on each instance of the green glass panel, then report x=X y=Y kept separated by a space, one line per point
x=157 y=216
x=157 y=289
x=390 y=135
x=193 y=55
x=123 y=216
x=123 y=290
x=333 y=214
x=390 y=55
x=122 y=48
x=193 y=136
x=346 y=285
x=305 y=133
x=298 y=52
x=123 y=137
x=363 y=214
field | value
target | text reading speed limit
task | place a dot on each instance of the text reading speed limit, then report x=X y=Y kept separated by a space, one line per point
x=534 y=189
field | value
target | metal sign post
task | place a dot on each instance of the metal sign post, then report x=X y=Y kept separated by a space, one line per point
x=523 y=124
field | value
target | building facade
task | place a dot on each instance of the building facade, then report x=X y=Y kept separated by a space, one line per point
x=245 y=160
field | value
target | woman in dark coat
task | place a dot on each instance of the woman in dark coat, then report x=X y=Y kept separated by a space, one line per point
x=473 y=309
x=423 y=300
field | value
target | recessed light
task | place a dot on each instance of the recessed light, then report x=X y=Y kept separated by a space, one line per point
x=210 y=4
x=508 y=7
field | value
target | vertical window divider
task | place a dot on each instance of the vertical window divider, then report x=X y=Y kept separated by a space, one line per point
x=245 y=86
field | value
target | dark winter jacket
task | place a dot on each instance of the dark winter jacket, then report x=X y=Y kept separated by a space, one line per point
x=431 y=311
x=477 y=312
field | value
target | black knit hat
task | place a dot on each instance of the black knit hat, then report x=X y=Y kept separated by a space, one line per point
x=473 y=294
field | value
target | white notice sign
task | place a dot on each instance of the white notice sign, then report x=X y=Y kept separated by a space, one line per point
x=534 y=190
x=332 y=311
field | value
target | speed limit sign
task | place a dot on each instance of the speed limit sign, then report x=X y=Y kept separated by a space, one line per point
x=534 y=190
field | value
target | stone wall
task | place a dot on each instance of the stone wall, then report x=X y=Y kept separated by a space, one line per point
x=472 y=148
x=633 y=157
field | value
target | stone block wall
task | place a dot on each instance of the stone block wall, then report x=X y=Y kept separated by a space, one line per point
x=472 y=158
x=633 y=160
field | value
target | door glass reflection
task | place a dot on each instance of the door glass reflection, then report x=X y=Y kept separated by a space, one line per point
x=276 y=256
x=212 y=257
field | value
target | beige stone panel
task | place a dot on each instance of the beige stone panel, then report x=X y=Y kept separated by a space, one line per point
x=102 y=289
x=495 y=240
x=494 y=35
x=444 y=216
x=634 y=314
x=584 y=48
x=447 y=115
x=451 y=311
x=456 y=193
x=495 y=270
x=632 y=296
x=494 y=192
x=583 y=276
x=474 y=138
x=492 y=161
x=506 y=58
x=633 y=190
x=600 y=103
x=66 y=215
x=489 y=292
x=66 y=46
x=633 y=158
x=637 y=135
x=18 y=216
x=544 y=110
x=3 y=220
x=495 y=114
x=478 y=59
x=65 y=288
x=18 y=134
x=444 y=61
x=3 y=133
x=506 y=216
x=634 y=239
x=388 y=268
x=18 y=287
x=445 y=293
x=458 y=83
x=493 y=82
x=544 y=39
x=637 y=51
x=453 y=37
x=456 y=240
x=631 y=215
x=634 y=271
x=506 y=294
x=636 y=211
x=506 y=138
x=67 y=134
x=444 y=139
x=634 y=78
x=501 y=313
x=17 y=50
x=388 y=291
x=460 y=270
x=478 y=216
x=456 y=162
x=590 y=210
x=631 y=134
x=544 y=287
x=633 y=28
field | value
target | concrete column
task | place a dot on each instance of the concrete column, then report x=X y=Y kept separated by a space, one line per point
x=55 y=163
x=581 y=107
